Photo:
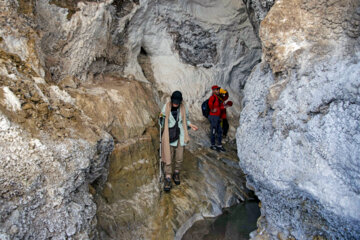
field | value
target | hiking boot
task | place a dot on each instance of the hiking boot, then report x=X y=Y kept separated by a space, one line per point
x=221 y=148
x=176 y=178
x=213 y=147
x=167 y=184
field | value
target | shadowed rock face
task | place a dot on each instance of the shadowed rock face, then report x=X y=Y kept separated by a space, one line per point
x=257 y=11
x=298 y=134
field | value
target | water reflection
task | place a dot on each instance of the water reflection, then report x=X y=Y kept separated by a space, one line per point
x=234 y=224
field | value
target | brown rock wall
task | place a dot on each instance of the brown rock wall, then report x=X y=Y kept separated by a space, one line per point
x=297 y=31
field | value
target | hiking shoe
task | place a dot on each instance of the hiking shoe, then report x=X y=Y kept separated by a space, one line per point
x=221 y=148
x=167 y=184
x=213 y=147
x=176 y=178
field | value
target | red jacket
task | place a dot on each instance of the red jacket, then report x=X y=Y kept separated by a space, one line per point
x=223 y=111
x=215 y=105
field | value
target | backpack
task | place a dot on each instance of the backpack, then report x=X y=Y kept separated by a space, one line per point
x=205 y=108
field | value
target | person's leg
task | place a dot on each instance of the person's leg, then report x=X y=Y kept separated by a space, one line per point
x=225 y=127
x=168 y=172
x=179 y=156
x=178 y=162
x=218 y=129
x=213 y=123
x=219 y=136
x=168 y=167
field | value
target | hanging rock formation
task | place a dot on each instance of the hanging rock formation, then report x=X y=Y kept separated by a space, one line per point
x=298 y=139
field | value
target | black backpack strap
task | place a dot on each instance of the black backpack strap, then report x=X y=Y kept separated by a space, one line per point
x=177 y=117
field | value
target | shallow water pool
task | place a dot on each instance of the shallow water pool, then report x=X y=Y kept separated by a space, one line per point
x=236 y=223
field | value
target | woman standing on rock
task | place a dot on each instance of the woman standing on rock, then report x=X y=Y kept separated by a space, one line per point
x=175 y=137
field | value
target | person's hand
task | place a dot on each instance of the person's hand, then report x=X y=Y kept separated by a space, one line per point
x=229 y=103
x=193 y=127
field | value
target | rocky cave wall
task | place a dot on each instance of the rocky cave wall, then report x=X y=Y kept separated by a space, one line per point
x=298 y=139
x=82 y=83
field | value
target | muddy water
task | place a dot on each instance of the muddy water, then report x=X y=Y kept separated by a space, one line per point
x=234 y=224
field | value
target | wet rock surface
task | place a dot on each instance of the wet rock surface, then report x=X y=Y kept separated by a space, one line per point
x=236 y=223
x=133 y=205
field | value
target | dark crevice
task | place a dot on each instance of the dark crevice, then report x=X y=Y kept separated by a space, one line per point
x=143 y=52
x=145 y=64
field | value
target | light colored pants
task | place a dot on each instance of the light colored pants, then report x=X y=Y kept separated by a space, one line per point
x=176 y=153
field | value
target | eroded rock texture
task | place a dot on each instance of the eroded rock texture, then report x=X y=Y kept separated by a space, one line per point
x=192 y=45
x=298 y=139
x=82 y=83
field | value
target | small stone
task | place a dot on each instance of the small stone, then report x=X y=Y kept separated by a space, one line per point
x=69 y=82
x=14 y=230
x=43 y=108
x=67 y=113
x=35 y=99
x=71 y=230
x=27 y=106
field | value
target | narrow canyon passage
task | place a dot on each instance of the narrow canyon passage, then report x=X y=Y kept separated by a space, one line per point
x=82 y=83
x=210 y=181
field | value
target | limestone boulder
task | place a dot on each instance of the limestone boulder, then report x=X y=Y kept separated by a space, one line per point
x=298 y=135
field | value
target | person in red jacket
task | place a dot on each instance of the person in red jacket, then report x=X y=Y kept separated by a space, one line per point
x=215 y=106
x=224 y=95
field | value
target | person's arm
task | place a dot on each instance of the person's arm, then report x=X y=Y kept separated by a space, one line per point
x=162 y=116
x=228 y=104
x=226 y=97
x=212 y=101
x=189 y=124
x=222 y=106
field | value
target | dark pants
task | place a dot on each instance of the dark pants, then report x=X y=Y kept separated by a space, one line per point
x=225 y=126
x=215 y=129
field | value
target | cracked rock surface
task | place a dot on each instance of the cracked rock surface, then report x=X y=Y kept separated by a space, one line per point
x=298 y=139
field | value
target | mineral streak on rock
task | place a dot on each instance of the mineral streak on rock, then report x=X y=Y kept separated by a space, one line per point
x=298 y=139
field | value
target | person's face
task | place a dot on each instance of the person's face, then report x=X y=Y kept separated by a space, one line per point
x=175 y=105
x=216 y=91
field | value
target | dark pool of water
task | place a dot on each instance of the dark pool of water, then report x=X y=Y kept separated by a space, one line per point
x=234 y=224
